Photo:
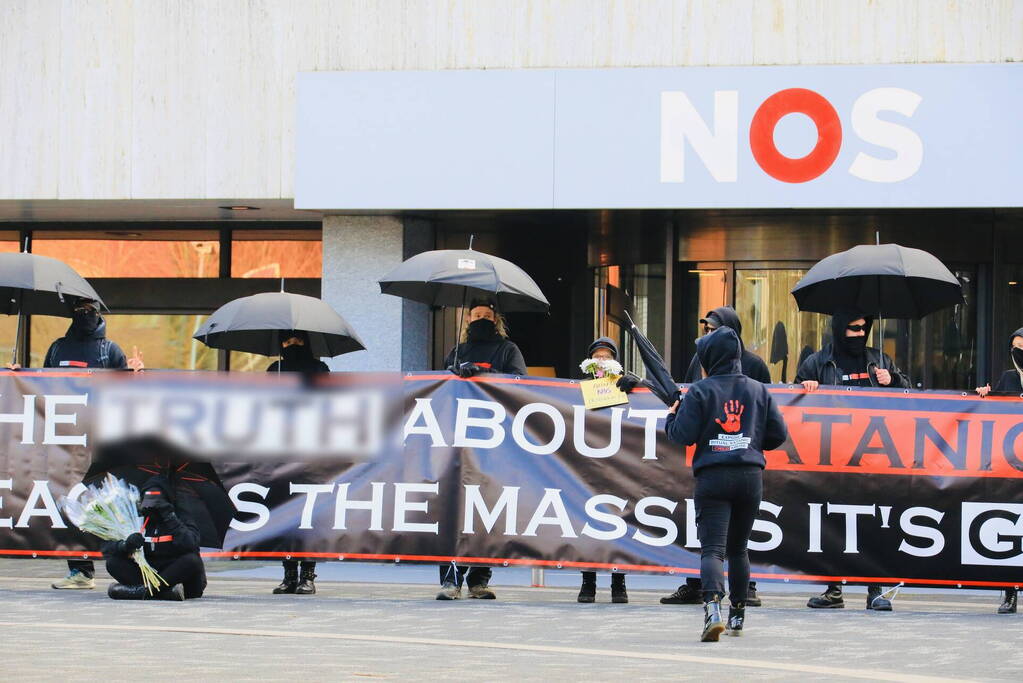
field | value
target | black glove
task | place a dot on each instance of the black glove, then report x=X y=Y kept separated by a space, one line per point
x=466 y=370
x=132 y=543
x=628 y=382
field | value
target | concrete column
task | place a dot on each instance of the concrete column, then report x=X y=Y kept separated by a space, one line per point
x=358 y=251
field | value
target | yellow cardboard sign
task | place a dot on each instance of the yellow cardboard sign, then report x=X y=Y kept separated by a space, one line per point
x=602 y=392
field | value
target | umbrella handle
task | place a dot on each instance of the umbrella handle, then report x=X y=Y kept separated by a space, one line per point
x=461 y=315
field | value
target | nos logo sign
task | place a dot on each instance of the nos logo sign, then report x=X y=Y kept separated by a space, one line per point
x=992 y=534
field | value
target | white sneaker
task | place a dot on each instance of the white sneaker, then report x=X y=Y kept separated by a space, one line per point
x=74 y=580
x=450 y=591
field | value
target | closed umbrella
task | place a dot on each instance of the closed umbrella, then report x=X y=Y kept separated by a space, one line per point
x=258 y=323
x=659 y=380
x=40 y=285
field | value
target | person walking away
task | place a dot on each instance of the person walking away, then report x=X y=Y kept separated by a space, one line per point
x=1011 y=381
x=484 y=347
x=170 y=542
x=754 y=367
x=296 y=356
x=85 y=345
x=732 y=419
x=848 y=361
x=605 y=348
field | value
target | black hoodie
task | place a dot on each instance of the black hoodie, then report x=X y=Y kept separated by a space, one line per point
x=730 y=417
x=752 y=365
x=1012 y=380
x=838 y=363
x=298 y=358
x=79 y=349
x=490 y=351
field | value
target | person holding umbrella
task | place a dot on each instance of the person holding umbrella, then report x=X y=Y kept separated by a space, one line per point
x=732 y=419
x=85 y=345
x=848 y=361
x=296 y=357
x=484 y=347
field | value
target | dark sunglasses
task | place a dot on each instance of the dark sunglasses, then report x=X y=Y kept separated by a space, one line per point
x=856 y=328
x=707 y=329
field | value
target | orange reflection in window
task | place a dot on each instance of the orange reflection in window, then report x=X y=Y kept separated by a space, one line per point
x=9 y=246
x=279 y=258
x=134 y=258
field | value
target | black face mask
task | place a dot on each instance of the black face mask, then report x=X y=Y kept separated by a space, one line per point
x=1017 y=357
x=482 y=330
x=856 y=345
x=294 y=354
x=85 y=322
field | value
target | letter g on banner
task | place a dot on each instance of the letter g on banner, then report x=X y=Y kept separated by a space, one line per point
x=992 y=534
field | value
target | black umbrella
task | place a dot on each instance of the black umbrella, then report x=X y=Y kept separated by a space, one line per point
x=257 y=324
x=450 y=277
x=39 y=285
x=196 y=486
x=887 y=279
x=658 y=378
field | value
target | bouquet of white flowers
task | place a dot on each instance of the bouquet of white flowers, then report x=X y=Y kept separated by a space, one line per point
x=110 y=511
x=601 y=368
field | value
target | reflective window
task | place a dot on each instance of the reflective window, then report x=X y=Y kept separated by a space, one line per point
x=134 y=258
x=640 y=290
x=164 y=340
x=288 y=254
x=250 y=362
x=772 y=325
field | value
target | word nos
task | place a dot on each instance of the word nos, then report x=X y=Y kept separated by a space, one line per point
x=718 y=149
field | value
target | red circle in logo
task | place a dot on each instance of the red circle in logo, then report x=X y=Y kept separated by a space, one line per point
x=829 y=135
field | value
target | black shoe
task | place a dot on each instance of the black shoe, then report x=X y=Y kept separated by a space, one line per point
x=588 y=589
x=752 y=597
x=618 y=593
x=1008 y=606
x=684 y=595
x=736 y=618
x=876 y=602
x=305 y=585
x=831 y=598
x=290 y=582
x=175 y=593
x=712 y=622
x=120 y=591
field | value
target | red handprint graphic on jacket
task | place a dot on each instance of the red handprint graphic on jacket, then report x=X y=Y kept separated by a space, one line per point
x=733 y=415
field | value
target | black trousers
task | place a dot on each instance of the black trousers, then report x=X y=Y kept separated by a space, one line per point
x=84 y=566
x=727 y=501
x=187 y=569
x=293 y=564
x=474 y=576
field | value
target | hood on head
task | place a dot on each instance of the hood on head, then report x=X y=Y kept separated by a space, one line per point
x=720 y=352
x=839 y=321
x=605 y=342
x=99 y=333
x=724 y=315
x=1017 y=333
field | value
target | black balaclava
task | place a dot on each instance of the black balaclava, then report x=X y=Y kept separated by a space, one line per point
x=1016 y=354
x=482 y=330
x=84 y=323
x=296 y=356
x=849 y=346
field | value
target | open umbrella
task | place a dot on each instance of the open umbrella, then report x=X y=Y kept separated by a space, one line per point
x=887 y=279
x=257 y=323
x=39 y=285
x=196 y=486
x=658 y=378
x=450 y=277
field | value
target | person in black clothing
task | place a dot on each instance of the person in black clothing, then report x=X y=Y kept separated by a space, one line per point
x=754 y=367
x=85 y=345
x=1011 y=382
x=296 y=356
x=732 y=419
x=170 y=541
x=605 y=348
x=848 y=361
x=484 y=347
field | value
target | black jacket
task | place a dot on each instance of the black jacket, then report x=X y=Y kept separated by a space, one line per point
x=822 y=366
x=1012 y=380
x=303 y=361
x=89 y=350
x=168 y=535
x=495 y=354
x=730 y=417
x=753 y=366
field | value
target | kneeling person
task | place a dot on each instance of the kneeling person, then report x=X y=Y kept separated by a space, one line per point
x=171 y=545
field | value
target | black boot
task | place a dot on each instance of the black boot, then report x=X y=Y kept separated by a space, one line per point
x=588 y=589
x=305 y=585
x=752 y=597
x=618 y=593
x=290 y=581
x=830 y=598
x=1008 y=606
x=686 y=594
x=876 y=602
x=175 y=593
x=736 y=618
x=120 y=591
x=712 y=622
